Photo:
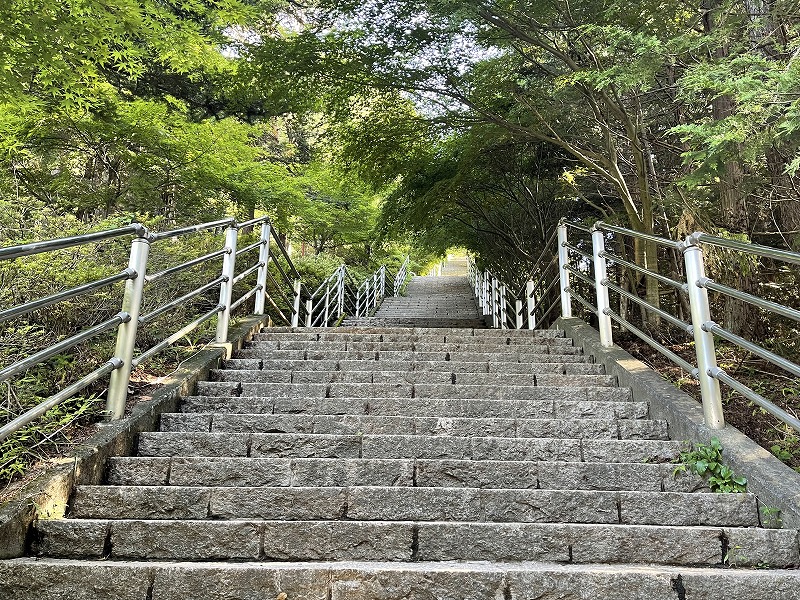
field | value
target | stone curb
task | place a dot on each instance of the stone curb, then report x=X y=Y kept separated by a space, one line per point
x=774 y=483
x=46 y=497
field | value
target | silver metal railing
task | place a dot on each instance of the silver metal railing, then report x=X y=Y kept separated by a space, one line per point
x=590 y=275
x=277 y=281
x=400 y=278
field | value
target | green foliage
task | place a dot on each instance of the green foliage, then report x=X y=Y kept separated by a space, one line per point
x=706 y=461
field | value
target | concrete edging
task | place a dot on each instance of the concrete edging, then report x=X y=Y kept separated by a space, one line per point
x=774 y=483
x=47 y=496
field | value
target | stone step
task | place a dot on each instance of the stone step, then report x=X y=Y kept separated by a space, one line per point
x=548 y=406
x=509 y=369
x=318 y=445
x=538 y=345
x=420 y=322
x=266 y=540
x=417 y=390
x=369 y=503
x=405 y=335
x=53 y=579
x=413 y=356
x=333 y=472
x=400 y=425
x=383 y=375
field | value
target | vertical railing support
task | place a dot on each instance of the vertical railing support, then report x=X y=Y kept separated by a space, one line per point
x=298 y=286
x=503 y=307
x=126 y=334
x=601 y=289
x=340 y=292
x=703 y=340
x=518 y=314
x=486 y=300
x=383 y=281
x=263 y=259
x=327 y=305
x=531 y=301
x=366 y=297
x=495 y=299
x=309 y=311
x=226 y=287
x=358 y=303
x=563 y=261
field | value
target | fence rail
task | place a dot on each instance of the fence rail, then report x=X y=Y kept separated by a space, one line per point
x=583 y=267
x=280 y=286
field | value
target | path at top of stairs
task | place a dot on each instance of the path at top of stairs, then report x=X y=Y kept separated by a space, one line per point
x=398 y=463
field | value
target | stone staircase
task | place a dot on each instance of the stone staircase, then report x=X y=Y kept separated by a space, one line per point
x=406 y=463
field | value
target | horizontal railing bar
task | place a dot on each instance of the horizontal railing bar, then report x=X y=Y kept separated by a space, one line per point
x=579 y=275
x=578 y=227
x=162 y=235
x=686 y=366
x=178 y=301
x=284 y=276
x=249 y=271
x=579 y=251
x=327 y=281
x=665 y=280
x=250 y=247
x=582 y=300
x=176 y=336
x=279 y=290
x=776 y=253
x=245 y=298
x=28 y=307
x=546 y=291
x=187 y=265
x=682 y=325
x=53 y=401
x=538 y=262
x=63 y=345
x=251 y=222
x=776 y=360
x=642 y=236
x=285 y=254
x=555 y=303
x=758 y=399
x=773 y=307
x=280 y=312
x=69 y=242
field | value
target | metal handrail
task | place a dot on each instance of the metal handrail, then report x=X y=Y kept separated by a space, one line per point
x=137 y=278
x=136 y=229
x=702 y=328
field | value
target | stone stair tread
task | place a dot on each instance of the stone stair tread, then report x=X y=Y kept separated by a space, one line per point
x=417 y=390
x=384 y=375
x=511 y=370
x=320 y=445
x=258 y=540
x=417 y=425
x=334 y=472
x=575 y=405
x=381 y=503
x=46 y=579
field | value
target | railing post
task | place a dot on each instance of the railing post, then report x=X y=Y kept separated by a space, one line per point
x=518 y=313
x=263 y=258
x=383 y=281
x=126 y=334
x=531 y=302
x=375 y=287
x=327 y=304
x=601 y=289
x=703 y=340
x=366 y=297
x=358 y=303
x=485 y=293
x=226 y=287
x=298 y=285
x=503 y=307
x=309 y=310
x=563 y=261
x=495 y=299
x=340 y=292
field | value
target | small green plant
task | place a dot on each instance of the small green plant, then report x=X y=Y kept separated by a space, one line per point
x=771 y=517
x=706 y=461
